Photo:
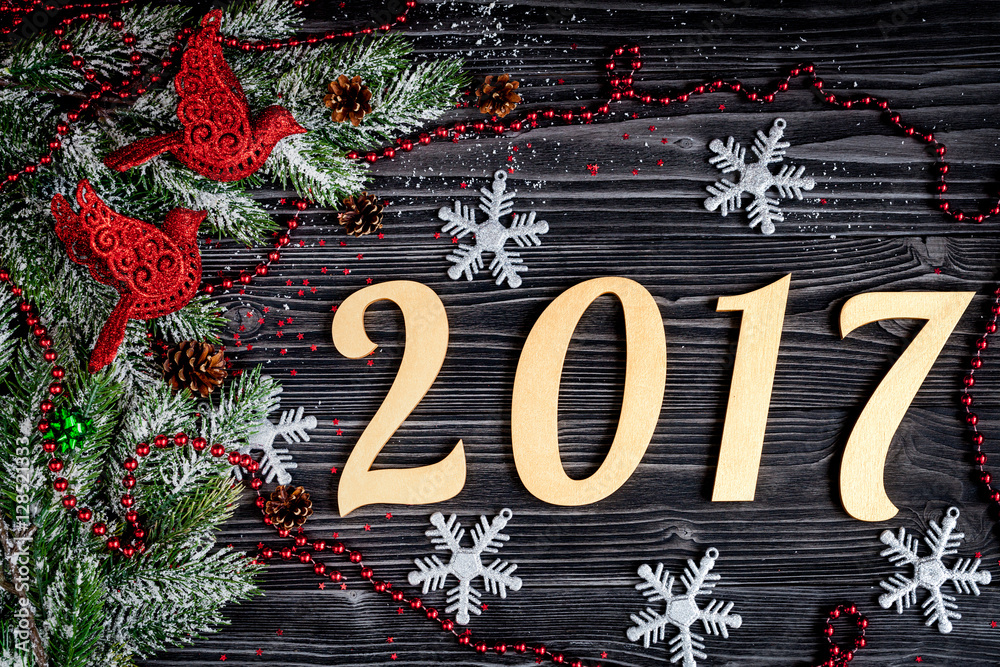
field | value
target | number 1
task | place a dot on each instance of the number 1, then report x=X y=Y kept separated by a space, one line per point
x=750 y=392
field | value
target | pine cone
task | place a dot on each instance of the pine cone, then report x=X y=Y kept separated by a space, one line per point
x=362 y=215
x=288 y=508
x=498 y=98
x=349 y=99
x=194 y=365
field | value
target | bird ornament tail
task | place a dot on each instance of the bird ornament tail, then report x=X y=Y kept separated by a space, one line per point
x=141 y=151
x=112 y=334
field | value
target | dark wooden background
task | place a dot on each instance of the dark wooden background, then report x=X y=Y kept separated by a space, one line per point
x=792 y=553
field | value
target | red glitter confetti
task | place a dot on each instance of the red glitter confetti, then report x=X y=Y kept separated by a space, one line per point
x=322 y=242
x=347 y=271
x=454 y=239
x=368 y=280
x=592 y=168
x=560 y=81
x=322 y=586
x=722 y=107
x=625 y=136
x=371 y=363
x=659 y=163
x=652 y=128
x=367 y=527
x=360 y=255
x=664 y=140
x=260 y=651
x=437 y=235
x=323 y=270
x=388 y=515
x=280 y=632
x=389 y=640
x=463 y=185
x=336 y=421
x=399 y=611
x=222 y=657
x=293 y=372
x=635 y=172
x=312 y=348
x=393 y=656
x=333 y=470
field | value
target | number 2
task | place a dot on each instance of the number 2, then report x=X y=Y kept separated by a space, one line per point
x=426 y=325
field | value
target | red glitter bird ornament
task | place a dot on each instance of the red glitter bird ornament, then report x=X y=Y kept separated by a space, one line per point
x=219 y=140
x=156 y=271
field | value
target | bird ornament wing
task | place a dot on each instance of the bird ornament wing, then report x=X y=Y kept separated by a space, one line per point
x=213 y=107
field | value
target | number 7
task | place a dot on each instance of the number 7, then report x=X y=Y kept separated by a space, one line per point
x=862 y=487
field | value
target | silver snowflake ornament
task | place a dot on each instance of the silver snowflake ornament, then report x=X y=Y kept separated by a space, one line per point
x=276 y=461
x=491 y=236
x=466 y=563
x=682 y=611
x=930 y=572
x=756 y=179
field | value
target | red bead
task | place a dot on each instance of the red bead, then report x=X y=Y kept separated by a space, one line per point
x=502 y=648
x=234 y=458
x=274 y=256
x=379 y=586
x=227 y=284
x=355 y=557
x=58 y=372
x=301 y=540
x=49 y=446
x=971 y=419
x=481 y=647
x=84 y=514
x=398 y=596
x=286 y=553
x=305 y=557
x=55 y=389
x=969 y=381
x=260 y=502
x=335 y=576
x=337 y=548
x=69 y=501
x=828 y=631
x=366 y=573
x=131 y=464
x=319 y=545
x=416 y=603
x=447 y=625
x=540 y=649
x=127 y=500
x=245 y=461
x=199 y=444
x=371 y=156
x=980 y=459
x=180 y=439
x=43 y=426
x=142 y=449
x=432 y=613
x=113 y=543
x=60 y=484
x=520 y=648
x=55 y=465
x=128 y=481
x=319 y=569
x=985 y=478
x=464 y=640
x=257 y=482
x=161 y=441
x=99 y=529
x=139 y=533
x=967 y=398
x=131 y=516
x=50 y=355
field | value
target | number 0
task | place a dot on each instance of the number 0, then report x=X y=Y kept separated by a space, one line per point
x=426 y=343
x=534 y=413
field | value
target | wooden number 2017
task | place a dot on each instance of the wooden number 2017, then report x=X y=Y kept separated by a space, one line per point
x=426 y=343
x=534 y=409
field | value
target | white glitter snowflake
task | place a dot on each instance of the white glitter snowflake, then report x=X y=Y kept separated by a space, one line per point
x=276 y=461
x=682 y=611
x=930 y=572
x=756 y=179
x=466 y=563
x=491 y=236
